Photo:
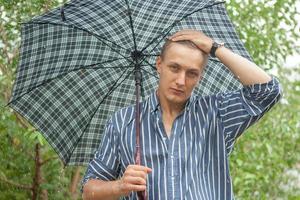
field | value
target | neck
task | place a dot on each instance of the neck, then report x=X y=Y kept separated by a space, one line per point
x=169 y=108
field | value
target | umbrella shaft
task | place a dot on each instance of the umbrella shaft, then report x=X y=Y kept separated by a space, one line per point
x=141 y=195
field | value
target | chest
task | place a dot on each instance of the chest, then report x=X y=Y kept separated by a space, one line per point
x=167 y=125
x=192 y=151
x=187 y=135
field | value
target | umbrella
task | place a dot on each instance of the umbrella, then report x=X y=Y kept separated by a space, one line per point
x=89 y=58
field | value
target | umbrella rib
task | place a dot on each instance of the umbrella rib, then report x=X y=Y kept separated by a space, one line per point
x=113 y=87
x=61 y=75
x=152 y=66
x=131 y=25
x=113 y=48
x=155 y=76
x=108 y=61
x=97 y=36
x=168 y=29
x=151 y=55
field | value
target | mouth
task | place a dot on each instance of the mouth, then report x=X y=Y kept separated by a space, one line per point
x=176 y=91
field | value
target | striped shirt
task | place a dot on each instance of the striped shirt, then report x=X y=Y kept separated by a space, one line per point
x=193 y=162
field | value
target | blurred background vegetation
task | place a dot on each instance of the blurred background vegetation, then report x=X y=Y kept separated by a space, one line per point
x=266 y=161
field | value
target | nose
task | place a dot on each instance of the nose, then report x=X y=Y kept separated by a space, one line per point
x=180 y=80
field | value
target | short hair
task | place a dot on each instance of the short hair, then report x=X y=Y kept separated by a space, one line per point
x=186 y=43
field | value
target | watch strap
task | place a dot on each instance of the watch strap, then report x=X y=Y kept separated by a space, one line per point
x=214 y=48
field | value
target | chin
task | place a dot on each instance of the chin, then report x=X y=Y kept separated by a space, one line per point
x=177 y=99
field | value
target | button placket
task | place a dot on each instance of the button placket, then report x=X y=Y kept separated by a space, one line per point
x=171 y=163
x=159 y=126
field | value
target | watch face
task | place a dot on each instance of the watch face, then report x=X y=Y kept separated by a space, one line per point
x=219 y=43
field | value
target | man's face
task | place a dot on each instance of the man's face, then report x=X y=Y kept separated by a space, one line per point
x=180 y=70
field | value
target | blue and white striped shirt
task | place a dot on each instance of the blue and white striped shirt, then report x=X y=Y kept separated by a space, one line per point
x=193 y=162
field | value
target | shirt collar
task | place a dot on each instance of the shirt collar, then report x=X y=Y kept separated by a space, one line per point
x=154 y=102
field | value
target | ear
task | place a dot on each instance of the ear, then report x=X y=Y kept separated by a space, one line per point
x=158 y=64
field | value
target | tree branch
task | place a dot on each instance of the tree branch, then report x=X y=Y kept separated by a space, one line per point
x=2 y=67
x=37 y=179
x=47 y=160
x=21 y=121
x=17 y=185
x=14 y=54
x=74 y=183
x=5 y=42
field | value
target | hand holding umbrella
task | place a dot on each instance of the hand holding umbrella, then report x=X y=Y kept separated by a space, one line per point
x=134 y=179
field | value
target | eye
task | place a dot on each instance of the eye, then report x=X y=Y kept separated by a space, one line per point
x=193 y=74
x=174 y=68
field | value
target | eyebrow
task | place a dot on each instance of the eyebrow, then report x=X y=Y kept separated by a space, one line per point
x=194 y=70
x=175 y=64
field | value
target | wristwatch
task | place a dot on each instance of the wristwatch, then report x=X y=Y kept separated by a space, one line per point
x=215 y=46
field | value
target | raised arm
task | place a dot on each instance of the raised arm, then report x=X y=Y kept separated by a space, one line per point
x=246 y=71
x=239 y=109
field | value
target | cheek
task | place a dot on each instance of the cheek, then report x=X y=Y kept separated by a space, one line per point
x=192 y=84
x=167 y=76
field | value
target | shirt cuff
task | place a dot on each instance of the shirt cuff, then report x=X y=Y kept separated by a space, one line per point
x=258 y=98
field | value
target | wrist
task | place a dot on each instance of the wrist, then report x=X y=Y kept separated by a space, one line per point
x=206 y=47
x=219 y=49
x=215 y=46
x=116 y=188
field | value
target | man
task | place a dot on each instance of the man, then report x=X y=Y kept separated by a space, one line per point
x=186 y=139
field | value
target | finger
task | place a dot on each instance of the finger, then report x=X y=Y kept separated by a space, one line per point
x=135 y=173
x=177 y=34
x=182 y=37
x=140 y=168
x=136 y=188
x=183 y=32
x=134 y=180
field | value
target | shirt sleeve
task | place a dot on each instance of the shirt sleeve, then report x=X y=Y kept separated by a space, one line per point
x=105 y=164
x=240 y=109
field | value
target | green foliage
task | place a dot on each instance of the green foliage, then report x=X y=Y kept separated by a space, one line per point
x=17 y=162
x=268 y=28
x=11 y=138
x=17 y=138
x=268 y=149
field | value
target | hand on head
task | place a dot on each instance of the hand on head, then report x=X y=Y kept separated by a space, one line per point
x=202 y=41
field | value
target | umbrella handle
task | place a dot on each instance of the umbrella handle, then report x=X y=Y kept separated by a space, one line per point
x=142 y=195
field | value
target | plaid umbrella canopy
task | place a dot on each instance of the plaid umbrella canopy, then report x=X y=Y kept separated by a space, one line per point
x=78 y=63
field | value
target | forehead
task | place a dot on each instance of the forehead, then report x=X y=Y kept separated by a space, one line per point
x=184 y=56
